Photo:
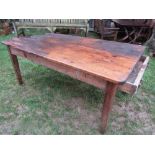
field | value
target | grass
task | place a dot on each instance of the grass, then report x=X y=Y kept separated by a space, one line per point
x=53 y=103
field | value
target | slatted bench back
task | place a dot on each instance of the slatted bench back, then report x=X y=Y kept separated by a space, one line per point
x=51 y=24
x=54 y=21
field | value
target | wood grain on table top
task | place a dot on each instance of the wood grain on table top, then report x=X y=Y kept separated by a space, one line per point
x=109 y=60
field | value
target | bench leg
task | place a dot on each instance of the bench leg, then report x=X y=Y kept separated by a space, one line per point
x=23 y=32
x=15 y=29
x=86 y=32
x=15 y=64
x=107 y=105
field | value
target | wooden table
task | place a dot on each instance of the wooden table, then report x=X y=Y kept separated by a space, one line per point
x=96 y=62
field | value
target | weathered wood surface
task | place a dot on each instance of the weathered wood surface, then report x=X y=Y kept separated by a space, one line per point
x=141 y=72
x=15 y=65
x=93 y=61
x=135 y=22
x=51 y=24
x=76 y=74
x=132 y=87
x=127 y=87
x=110 y=61
x=107 y=105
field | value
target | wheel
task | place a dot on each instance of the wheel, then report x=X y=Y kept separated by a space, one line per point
x=134 y=35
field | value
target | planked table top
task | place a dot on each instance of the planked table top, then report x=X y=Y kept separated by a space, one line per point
x=109 y=60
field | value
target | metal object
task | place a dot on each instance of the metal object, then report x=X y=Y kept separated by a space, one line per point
x=136 y=31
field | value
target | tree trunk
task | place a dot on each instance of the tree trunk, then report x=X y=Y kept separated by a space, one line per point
x=151 y=43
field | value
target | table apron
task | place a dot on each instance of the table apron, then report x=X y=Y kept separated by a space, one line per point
x=74 y=73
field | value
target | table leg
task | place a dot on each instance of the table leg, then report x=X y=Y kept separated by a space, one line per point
x=107 y=105
x=15 y=64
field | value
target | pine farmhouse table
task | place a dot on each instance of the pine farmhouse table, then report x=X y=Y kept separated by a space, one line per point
x=104 y=64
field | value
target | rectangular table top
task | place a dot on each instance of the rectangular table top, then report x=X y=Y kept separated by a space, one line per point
x=109 y=60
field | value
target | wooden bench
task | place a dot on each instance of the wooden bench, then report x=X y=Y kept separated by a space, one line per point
x=51 y=24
